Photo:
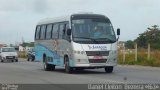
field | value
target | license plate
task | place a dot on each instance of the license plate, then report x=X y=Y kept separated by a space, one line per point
x=98 y=57
x=10 y=57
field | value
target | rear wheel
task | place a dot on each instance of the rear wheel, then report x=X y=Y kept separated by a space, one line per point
x=68 y=69
x=109 y=69
x=48 y=67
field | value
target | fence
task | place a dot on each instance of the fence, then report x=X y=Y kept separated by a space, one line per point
x=139 y=56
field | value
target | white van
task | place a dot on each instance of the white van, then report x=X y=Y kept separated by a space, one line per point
x=8 y=54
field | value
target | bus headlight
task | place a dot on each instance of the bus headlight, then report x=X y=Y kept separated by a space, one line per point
x=81 y=60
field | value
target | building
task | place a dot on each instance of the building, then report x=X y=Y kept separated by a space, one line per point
x=3 y=44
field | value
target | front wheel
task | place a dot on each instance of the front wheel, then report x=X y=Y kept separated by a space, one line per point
x=68 y=69
x=1 y=59
x=16 y=60
x=109 y=69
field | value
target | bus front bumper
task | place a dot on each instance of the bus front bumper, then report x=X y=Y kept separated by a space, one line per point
x=95 y=65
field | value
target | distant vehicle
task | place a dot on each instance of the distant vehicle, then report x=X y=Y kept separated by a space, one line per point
x=31 y=55
x=74 y=42
x=8 y=54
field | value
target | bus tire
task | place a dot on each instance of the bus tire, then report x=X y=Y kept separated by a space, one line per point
x=47 y=67
x=109 y=69
x=68 y=69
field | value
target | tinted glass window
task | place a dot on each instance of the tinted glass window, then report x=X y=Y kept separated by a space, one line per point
x=61 y=31
x=55 y=31
x=43 y=27
x=65 y=32
x=48 y=32
x=38 y=32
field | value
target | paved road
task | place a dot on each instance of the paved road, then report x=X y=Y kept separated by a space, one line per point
x=25 y=72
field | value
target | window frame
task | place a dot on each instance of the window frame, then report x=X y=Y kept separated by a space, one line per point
x=37 y=32
x=56 y=31
x=44 y=37
x=50 y=31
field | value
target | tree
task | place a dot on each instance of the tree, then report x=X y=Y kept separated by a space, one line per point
x=129 y=44
x=152 y=36
x=31 y=44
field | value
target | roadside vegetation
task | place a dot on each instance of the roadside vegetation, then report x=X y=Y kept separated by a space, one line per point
x=141 y=58
x=22 y=54
x=148 y=49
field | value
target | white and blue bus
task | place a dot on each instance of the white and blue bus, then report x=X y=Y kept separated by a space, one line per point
x=78 y=41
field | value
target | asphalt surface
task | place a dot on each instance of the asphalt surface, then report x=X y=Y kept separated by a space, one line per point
x=24 y=72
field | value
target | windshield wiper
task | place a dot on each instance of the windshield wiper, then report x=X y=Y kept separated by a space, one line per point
x=92 y=39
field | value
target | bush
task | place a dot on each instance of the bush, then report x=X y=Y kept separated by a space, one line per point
x=22 y=54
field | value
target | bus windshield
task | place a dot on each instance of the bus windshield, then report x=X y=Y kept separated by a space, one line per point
x=93 y=30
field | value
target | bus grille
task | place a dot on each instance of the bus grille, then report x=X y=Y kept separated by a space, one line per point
x=97 y=53
x=97 y=60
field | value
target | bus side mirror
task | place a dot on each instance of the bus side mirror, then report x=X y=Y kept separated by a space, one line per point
x=118 y=31
x=69 y=32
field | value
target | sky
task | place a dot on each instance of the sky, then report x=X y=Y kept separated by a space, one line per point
x=18 y=18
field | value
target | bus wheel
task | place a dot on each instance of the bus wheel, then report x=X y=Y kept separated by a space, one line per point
x=47 y=67
x=109 y=69
x=68 y=69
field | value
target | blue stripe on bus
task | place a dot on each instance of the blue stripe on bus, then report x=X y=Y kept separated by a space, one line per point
x=57 y=59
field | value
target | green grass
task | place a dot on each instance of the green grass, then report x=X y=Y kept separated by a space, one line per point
x=141 y=58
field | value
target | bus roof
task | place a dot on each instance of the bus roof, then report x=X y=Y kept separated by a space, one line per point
x=54 y=19
x=65 y=18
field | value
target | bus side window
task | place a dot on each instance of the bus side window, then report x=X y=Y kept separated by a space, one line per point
x=48 y=31
x=55 y=31
x=43 y=32
x=66 y=36
x=37 y=35
x=61 y=31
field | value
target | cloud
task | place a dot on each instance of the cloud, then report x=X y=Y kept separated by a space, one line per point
x=132 y=16
x=11 y=5
x=37 y=6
